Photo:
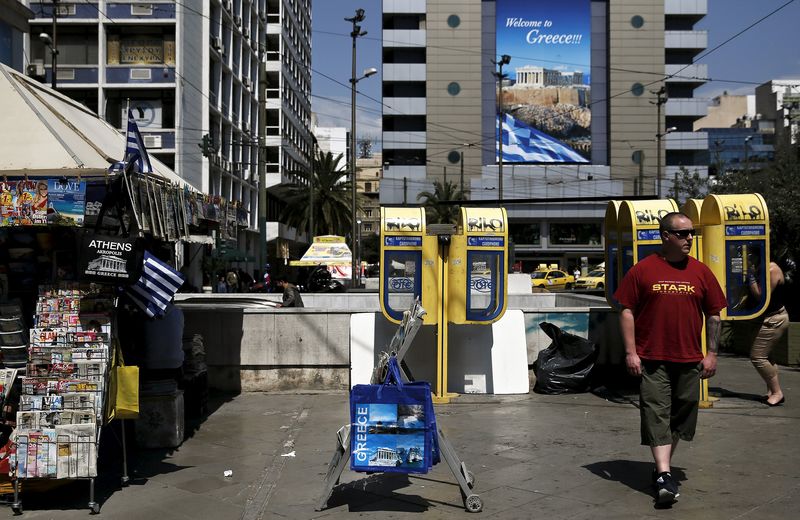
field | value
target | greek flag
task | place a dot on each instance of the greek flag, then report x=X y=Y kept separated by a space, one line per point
x=134 y=149
x=156 y=287
x=522 y=143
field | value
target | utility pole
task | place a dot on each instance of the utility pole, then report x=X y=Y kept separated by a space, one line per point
x=505 y=59
x=661 y=99
x=354 y=34
x=54 y=48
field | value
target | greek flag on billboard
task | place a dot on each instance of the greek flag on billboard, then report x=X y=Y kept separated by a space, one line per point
x=134 y=149
x=522 y=143
x=156 y=287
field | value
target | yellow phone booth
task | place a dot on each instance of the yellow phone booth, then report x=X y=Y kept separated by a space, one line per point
x=612 y=262
x=736 y=249
x=407 y=266
x=478 y=281
x=638 y=230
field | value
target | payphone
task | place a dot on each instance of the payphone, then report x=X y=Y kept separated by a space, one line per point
x=612 y=250
x=736 y=249
x=407 y=266
x=477 y=265
x=638 y=231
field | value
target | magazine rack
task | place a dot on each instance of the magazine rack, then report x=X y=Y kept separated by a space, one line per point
x=63 y=395
x=401 y=342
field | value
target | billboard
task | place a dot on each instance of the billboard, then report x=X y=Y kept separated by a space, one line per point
x=546 y=96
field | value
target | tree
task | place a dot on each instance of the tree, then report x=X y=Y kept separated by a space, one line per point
x=435 y=211
x=322 y=196
x=689 y=186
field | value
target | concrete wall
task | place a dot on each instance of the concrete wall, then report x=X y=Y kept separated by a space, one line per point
x=252 y=347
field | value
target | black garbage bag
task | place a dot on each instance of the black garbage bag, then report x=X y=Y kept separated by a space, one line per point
x=565 y=366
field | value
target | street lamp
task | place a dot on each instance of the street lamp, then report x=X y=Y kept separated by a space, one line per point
x=505 y=59
x=354 y=34
x=746 y=153
x=658 y=160
x=358 y=222
x=50 y=42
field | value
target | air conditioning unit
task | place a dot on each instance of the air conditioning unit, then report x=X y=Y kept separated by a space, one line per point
x=246 y=32
x=216 y=42
x=152 y=141
x=141 y=74
x=246 y=173
x=237 y=20
x=141 y=9
x=246 y=82
x=36 y=69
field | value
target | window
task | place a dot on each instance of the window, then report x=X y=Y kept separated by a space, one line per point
x=574 y=233
x=368 y=226
x=367 y=212
x=367 y=187
x=528 y=234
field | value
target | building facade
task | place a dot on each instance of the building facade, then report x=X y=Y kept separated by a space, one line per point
x=440 y=95
x=220 y=90
x=778 y=100
x=14 y=17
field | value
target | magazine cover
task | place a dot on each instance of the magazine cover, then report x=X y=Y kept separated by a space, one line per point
x=389 y=436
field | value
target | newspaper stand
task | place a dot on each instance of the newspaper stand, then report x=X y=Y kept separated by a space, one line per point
x=62 y=402
x=401 y=342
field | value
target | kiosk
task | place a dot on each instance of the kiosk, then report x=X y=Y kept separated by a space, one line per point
x=638 y=230
x=404 y=275
x=612 y=251
x=736 y=249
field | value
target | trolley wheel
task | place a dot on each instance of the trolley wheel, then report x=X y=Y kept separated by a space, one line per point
x=473 y=504
x=94 y=507
x=17 y=508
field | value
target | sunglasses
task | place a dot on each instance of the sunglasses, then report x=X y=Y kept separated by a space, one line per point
x=682 y=233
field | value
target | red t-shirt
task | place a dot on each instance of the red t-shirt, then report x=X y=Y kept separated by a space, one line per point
x=668 y=302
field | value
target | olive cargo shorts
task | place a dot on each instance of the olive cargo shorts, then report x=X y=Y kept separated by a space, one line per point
x=668 y=399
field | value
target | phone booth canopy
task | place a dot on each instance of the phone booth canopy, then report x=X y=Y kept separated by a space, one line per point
x=638 y=230
x=478 y=272
x=736 y=249
x=692 y=208
x=612 y=250
x=403 y=274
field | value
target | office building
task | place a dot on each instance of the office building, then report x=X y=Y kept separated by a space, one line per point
x=14 y=17
x=778 y=100
x=579 y=105
x=219 y=89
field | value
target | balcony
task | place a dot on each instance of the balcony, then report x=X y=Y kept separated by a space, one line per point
x=696 y=73
x=686 y=107
x=686 y=141
x=404 y=140
x=73 y=75
x=403 y=38
x=690 y=40
x=695 y=8
x=415 y=106
x=403 y=6
x=404 y=72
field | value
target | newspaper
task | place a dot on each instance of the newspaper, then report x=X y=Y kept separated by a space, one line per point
x=77 y=451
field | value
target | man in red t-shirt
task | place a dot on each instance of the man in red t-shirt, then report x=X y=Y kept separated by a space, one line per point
x=664 y=298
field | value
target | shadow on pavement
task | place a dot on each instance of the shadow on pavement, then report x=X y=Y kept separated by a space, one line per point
x=378 y=493
x=717 y=391
x=635 y=474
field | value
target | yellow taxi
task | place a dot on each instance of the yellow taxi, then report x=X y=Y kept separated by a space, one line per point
x=552 y=280
x=594 y=280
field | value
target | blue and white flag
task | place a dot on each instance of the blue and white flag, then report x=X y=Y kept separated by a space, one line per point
x=156 y=287
x=134 y=148
x=522 y=143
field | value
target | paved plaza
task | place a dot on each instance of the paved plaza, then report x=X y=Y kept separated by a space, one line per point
x=534 y=456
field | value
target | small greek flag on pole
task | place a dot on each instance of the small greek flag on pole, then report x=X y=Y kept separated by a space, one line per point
x=134 y=148
x=156 y=287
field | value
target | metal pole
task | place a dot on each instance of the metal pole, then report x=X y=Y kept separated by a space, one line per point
x=500 y=133
x=462 y=174
x=660 y=100
x=262 y=166
x=405 y=190
x=353 y=81
x=54 y=48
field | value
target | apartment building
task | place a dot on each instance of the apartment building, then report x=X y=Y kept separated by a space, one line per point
x=219 y=89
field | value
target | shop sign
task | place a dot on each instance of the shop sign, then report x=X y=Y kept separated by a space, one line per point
x=109 y=259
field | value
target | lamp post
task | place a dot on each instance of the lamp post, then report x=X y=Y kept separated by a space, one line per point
x=358 y=241
x=505 y=59
x=658 y=160
x=354 y=34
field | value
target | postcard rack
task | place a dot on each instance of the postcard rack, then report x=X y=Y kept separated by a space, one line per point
x=64 y=388
x=401 y=342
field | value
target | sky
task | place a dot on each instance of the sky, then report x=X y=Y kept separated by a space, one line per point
x=767 y=51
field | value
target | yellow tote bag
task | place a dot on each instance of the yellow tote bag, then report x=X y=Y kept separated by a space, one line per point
x=123 y=389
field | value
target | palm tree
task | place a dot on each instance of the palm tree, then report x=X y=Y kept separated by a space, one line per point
x=435 y=211
x=320 y=201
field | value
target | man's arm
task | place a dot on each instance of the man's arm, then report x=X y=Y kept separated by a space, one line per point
x=713 y=325
x=626 y=326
